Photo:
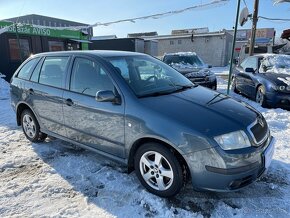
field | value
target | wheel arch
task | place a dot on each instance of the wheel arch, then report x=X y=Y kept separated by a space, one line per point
x=20 y=108
x=138 y=143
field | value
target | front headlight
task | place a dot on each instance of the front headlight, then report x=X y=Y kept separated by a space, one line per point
x=279 y=88
x=233 y=140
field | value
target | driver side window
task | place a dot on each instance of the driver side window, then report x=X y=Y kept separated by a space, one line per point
x=88 y=77
x=250 y=62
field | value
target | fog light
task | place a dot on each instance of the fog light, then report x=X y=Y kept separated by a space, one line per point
x=284 y=101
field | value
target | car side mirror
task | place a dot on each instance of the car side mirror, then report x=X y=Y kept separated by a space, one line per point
x=249 y=70
x=107 y=96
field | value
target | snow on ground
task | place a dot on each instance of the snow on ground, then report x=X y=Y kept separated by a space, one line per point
x=57 y=180
x=220 y=71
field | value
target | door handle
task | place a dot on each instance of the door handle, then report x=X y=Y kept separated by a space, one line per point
x=30 y=91
x=69 y=102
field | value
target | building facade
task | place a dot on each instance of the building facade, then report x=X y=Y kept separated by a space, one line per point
x=18 y=42
x=213 y=47
x=39 y=20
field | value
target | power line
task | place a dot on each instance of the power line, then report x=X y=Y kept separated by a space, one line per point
x=245 y=3
x=274 y=19
x=160 y=15
x=213 y=3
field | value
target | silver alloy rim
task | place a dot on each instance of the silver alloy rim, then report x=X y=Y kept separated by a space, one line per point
x=156 y=170
x=29 y=126
x=260 y=96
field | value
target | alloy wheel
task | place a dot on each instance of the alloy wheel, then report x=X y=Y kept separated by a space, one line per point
x=29 y=126
x=156 y=170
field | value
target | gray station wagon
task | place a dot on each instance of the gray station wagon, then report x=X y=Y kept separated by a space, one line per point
x=139 y=111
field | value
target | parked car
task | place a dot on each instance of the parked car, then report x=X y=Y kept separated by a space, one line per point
x=137 y=110
x=192 y=67
x=264 y=78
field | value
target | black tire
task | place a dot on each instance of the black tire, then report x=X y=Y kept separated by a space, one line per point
x=30 y=127
x=160 y=174
x=260 y=96
x=234 y=86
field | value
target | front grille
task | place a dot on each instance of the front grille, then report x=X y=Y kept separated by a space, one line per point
x=197 y=79
x=259 y=130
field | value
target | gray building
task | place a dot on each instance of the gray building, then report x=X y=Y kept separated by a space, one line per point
x=213 y=47
x=40 y=20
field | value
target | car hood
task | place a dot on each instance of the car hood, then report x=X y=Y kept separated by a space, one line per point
x=202 y=110
x=279 y=79
x=187 y=68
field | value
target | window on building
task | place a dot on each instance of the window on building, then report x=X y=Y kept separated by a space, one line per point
x=53 y=71
x=171 y=42
x=49 y=23
x=55 y=46
x=44 y=23
x=25 y=71
x=15 y=52
x=179 y=41
x=88 y=77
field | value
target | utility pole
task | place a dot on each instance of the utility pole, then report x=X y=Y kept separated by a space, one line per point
x=254 y=27
x=233 y=46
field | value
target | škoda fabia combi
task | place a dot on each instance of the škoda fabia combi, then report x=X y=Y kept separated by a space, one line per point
x=141 y=112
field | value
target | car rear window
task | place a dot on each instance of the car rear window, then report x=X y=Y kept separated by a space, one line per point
x=26 y=70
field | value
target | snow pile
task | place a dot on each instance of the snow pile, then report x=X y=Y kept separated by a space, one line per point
x=54 y=178
x=275 y=64
x=4 y=89
x=182 y=53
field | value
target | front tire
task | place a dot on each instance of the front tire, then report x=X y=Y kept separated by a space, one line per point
x=234 y=86
x=260 y=96
x=158 y=170
x=30 y=127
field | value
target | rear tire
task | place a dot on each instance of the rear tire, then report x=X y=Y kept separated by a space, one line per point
x=158 y=170
x=260 y=96
x=30 y=127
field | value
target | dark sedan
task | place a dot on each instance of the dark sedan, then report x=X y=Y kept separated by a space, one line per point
x=192 y=67
x=264 y=78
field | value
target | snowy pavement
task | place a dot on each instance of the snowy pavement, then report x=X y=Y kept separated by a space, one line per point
x=53 y=179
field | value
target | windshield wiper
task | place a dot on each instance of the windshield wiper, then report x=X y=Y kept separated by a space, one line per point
x=180 y=88
x=154 y=94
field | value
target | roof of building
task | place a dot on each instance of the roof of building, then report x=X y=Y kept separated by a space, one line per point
x=41 y=17
x=185 y=36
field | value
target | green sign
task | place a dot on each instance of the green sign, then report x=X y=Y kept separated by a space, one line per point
x=41 y=31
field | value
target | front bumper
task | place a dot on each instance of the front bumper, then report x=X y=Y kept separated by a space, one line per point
x=214 y=169
x=278 y=99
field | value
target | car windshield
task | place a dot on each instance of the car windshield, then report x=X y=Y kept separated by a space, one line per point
x=275 y=64
x=148 y=76
x=192 y=60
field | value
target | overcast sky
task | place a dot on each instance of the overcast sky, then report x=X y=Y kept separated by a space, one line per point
x=92 y=11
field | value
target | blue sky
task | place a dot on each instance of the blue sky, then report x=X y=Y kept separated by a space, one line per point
x=92 y=11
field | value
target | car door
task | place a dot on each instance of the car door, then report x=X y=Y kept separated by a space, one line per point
x=239 y=76
x=249 y=77
x=99 y=125
x=47 y=92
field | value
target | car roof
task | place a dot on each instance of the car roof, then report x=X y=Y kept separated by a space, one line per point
x=99 y=53
x=263 y=55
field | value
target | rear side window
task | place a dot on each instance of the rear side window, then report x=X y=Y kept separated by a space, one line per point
x=26 y=70
x=53 y=71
